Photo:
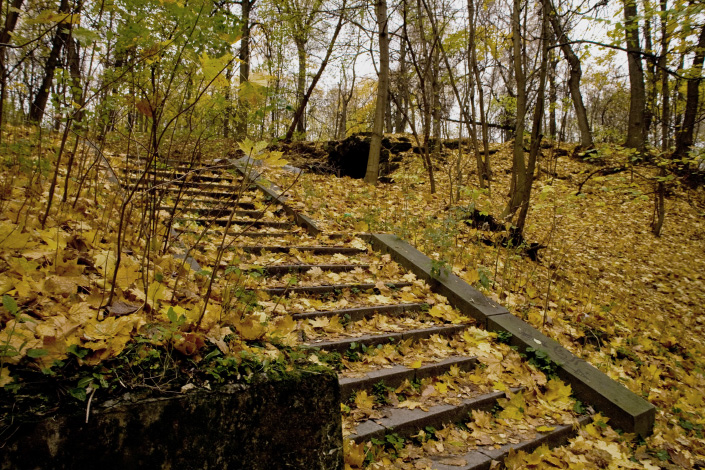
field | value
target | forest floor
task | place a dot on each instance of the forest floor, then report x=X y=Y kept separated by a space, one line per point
x=605 y=287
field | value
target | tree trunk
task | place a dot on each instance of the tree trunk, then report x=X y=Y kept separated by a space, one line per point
x=244 y=56
x=228 y=101
x=552 y=99
x=402 y=92
x=651 y=78
x=300 y=85
x=535 y=129
x=5 y=38
x=636 y=137
x=686 y=133
x=73 y=59
x=345 y=97
x=36 y=112
x=665 y=95
x=343 y=122
x=298 y=115
x=519 y=175
x=576 y=74
x=372 y=172
x=483 y=165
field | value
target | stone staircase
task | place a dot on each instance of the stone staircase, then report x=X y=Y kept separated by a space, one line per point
x=417 y=376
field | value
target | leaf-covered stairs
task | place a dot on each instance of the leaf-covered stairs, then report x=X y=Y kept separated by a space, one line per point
x=418 y=378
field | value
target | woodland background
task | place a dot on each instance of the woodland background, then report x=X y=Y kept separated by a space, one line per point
x=579 y=126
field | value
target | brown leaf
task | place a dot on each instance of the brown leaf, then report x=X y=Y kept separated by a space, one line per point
x=144 y=107
x=122 y=308
x=189 y=343
x=59 y=285
x=453 y=462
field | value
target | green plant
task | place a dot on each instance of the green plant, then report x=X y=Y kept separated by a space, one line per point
x=504 y=337
x=484 y=275
x=542 y=361
x=7 y=349
x=439 y=269
x=392 y=442
x=381 y=392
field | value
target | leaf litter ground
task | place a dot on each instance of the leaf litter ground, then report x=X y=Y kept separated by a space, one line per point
x=605 y=287
x=620 y=302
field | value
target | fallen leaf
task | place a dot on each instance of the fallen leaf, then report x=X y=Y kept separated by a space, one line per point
x=120 y=308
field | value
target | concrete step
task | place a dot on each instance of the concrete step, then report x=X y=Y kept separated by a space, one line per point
x=396 y=375
x=281 y=269
x=316 y=250
x=219 y=203
x=483 y=457
x=189 y=191
x=192 y=178
x=329 y=288
x=406 y=422
x=360 y=313
x=193 y=175
x=213 y=212
x=343 y=344
x=182 y=167
x=238 y=233
x=224 y=222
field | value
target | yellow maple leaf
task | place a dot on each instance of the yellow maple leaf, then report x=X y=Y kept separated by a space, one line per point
x=274 y=159
x=5 y=377
x=361 y=226
x=251 y=327
x=12 y=238
x=364 y=402
x=112 y=327
x=411 y=404
x=441 y=311
x=500 y=386
x=6 y=284
x=104 y=261
x=156 y=293
x=320 y=322
x=514 y=407
x=354 y=454
x=471 y=276
x=128 y=273
x=558 y=394
x=415 y=364
x=54 y=237
x=60 y=285
x=334 y=326
x=545 y=428
x=282 y=327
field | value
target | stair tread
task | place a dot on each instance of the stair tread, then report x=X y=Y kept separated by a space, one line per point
x=362 y=311
x=330 y=287
x=321 y=249
x=482 y=457
x=405 y=421
x=345 y=343
x=395 y=375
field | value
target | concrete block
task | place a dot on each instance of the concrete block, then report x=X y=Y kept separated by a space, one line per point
x=458 y=292
x=293 y=422
x=626 y=410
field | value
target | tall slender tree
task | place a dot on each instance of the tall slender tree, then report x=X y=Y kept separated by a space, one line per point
x=576 y=74
x=636 y=130
x=686 y=133
x=373 y=157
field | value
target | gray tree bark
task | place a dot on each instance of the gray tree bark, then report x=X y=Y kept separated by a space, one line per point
x=636 y=136
x=372 y=172
x=576 y=74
